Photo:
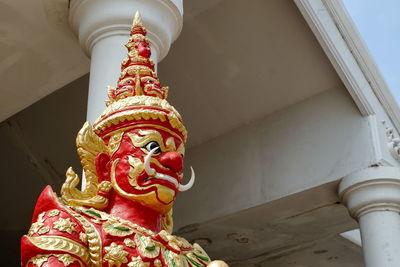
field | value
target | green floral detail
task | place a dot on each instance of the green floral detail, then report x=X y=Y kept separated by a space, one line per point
x=93 y=213
x=121 y=228
x=151 y=248
x=193 y=262
x=201 y=257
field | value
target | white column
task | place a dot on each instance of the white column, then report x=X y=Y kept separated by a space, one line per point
x=372 y=196
x=103 y=28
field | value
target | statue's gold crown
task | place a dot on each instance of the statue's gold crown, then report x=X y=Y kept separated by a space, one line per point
x=138 y=97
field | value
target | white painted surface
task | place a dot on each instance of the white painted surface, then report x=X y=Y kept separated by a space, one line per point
x=311 y=143
x=372 y=196
x=38 y=53
x=353 y=236
x=380 y=233
x=104 y=70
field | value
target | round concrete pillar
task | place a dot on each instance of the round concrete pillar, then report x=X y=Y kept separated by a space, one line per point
x=103 y=28
x=372 y=196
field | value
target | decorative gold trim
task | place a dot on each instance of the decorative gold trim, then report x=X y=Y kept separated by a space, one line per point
x=44 y=230
x=64 y=225
x=115 y=255
x=113 y=228
x=89 y=145
x=66 y=259
x=53 y=213
x=146 y=246
x=35 y=228
x=138 y=262
x=83 y=237
x=62 y=244
x=145 y=125
x=114 y=142
x=93 y=236
x=167 y=222
x=120 y=111
x=129 y=243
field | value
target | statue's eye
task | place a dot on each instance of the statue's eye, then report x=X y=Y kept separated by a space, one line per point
x=128 y=82
x=152 y=145
x=149 y=81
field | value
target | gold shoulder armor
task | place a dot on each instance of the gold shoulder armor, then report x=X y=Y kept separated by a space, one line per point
x=58 y=243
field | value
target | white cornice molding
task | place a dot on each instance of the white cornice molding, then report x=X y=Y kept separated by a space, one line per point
x=342 y=43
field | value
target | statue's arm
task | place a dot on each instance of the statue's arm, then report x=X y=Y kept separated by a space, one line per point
x=55 y=238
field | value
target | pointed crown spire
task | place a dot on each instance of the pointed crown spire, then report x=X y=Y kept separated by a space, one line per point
x=137 y=71
x=138 y=94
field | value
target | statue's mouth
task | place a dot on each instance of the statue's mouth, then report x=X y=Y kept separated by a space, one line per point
x=153 y=174
x=163 y=177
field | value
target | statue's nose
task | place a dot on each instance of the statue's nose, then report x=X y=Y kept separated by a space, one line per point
x=172 y=160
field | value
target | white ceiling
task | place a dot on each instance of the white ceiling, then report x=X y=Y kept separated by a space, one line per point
x=241 y=60
x=38 y=52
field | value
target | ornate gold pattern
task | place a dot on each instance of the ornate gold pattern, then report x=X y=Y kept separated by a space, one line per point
x=35 y=227
x=136 y=167
x=43 y=230
x=157 y=263
x=175 y=242
x=64 y=225
x=66 y=259
x=146 y=246
x=129 y=243
x=40 y=218
x=115 y=228
x=105 y=186
x=89 y=146
x=61 y=244
x=114 y=142
x=145 y=238
x=94 y=240
x=138 y=262
x=38 y=260
x=172 y=259
x=53 y=213
x=115 y=255
x=123 y=109
x=83 y=237
x=111 y=218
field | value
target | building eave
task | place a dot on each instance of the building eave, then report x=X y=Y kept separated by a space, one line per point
x=343 y=44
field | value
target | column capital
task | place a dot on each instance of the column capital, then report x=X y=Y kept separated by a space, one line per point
x=371 y=189
x=94 y=20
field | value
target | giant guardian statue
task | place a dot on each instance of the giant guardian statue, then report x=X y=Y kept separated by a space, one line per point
x=132 y=158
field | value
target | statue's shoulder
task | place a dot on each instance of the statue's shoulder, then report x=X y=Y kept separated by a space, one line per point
x=56 y=234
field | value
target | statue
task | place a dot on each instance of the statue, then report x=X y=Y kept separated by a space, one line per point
x=132 y=158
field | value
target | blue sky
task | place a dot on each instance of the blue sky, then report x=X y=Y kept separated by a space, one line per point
x=378 y=21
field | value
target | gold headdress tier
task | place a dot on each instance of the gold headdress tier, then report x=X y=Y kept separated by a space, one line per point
x=138 y=97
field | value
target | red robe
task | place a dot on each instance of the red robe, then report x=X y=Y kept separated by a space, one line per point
x=63 y=235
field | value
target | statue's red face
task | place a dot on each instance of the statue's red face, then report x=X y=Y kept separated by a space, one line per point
x=143 y=49
x=125 y=88
x=157 y=185
x=152 y=86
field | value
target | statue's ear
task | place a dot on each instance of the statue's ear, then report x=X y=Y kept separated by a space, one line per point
x=103 y=166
